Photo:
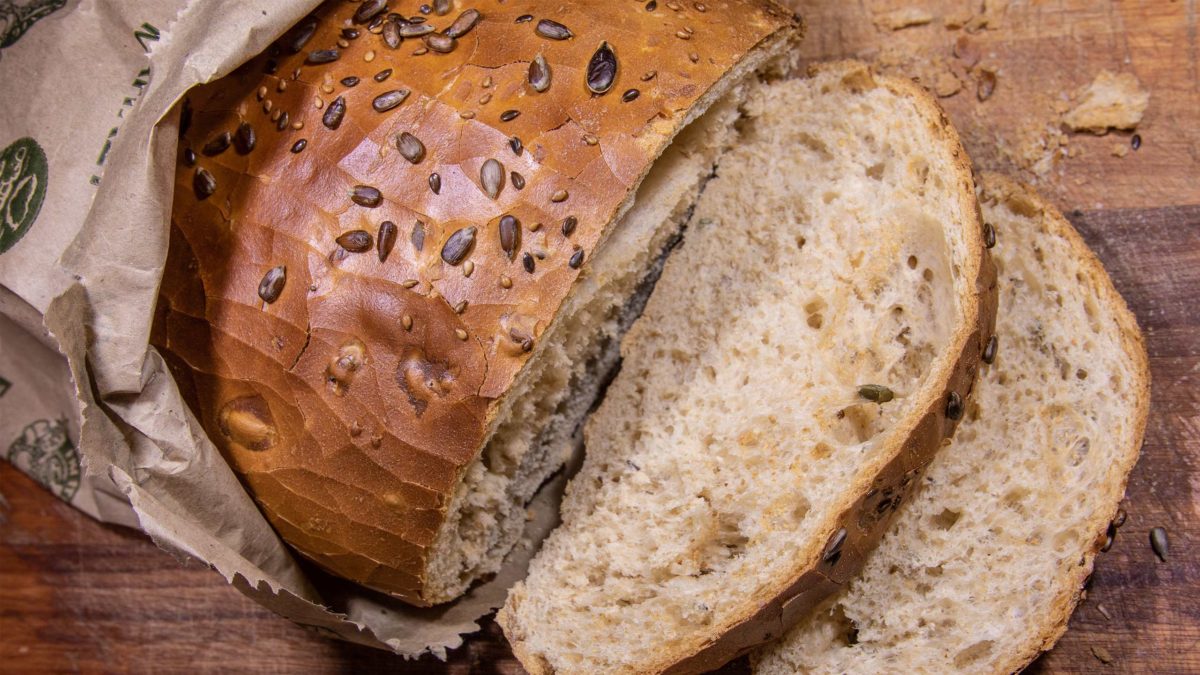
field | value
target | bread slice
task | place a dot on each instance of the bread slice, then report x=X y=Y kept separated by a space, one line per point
x=985 y=565
x=733 y=471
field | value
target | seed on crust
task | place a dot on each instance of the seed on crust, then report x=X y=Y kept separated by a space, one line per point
x=218 y=144
x=332 y=119
x=463 y=24
x=440 y=43
x=435 y=183
x=491 y=177
x=272 y=284
x=410 y=147
x=365 y=195
x=386 y=239
x=355 y=241
x=203 y=184
x=553 y=30
x=539 y=74
x=456 y=248
x=510 y=234
x=389 y=99
x=602 y=69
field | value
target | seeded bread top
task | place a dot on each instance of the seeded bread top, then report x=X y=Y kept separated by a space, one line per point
x=375 y=221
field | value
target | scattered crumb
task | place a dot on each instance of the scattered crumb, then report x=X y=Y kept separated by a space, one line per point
x=966 y=50
x=986 y=85
x=902 y=18
x=1111 y=101
x=957 y=20
x=1120 y=150
x=1102 y=654
x=989 y=18
x=945 y=84
x=1102 y=610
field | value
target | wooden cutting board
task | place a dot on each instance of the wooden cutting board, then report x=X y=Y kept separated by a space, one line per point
x=79 y=596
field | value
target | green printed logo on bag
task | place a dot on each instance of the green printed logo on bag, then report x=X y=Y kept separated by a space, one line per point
x=17 y=17
x=45 y=452
x=23 y=175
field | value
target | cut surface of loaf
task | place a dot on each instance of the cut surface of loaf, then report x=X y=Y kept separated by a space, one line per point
x=377 y=297
x=734 y=470
x=985 y=564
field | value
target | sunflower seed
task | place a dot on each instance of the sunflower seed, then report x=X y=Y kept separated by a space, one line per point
x=559 y=196
x=630 y=95
x=441 y=7
x=383 y=75
x=322 y=56
x=1119 y=520
x=1135 y=142
x=244 y=139
x=411 y=30
x=296 y=38
x=876 y=392
x=463 y=24
x=189 y=157
x=509 y=115
x=989 y=350
x=468 y=268
x=651 y=6
x=332 y=119
x=409 y=283
x=203 y=184
x=518 y=181
x=1158 y=542
x=553 y=30
x=435 y=183
x=458 y=245
x=1110 y=536
x=391 y=35
x=389 y=99
x=272 y=284
x=954 y=406
x=365 y=195
x=442 y=44
x=576 y=259
x=602 y=69
x=410 y=147
x=568 y=225
x=460 y=334
x=527 y=263
x=369 y=10
x=539 y=74
x=350 y=33
x=415 y=19
x=524 y=18
x=418 y=236
x=833 y=549
x=355 y=241
x=989 y=235
x=510 y=235
x=650 y=75
x=300 y=145
x=386 y=239
x=282 y=122
x=217 y=145
x=491 y=177
x=1101 y=654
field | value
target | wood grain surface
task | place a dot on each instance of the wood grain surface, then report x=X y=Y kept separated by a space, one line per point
x=78 y=596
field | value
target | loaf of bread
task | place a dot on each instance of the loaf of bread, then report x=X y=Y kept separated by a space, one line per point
x=807 y=349
x=380 y=232
x=986 y=563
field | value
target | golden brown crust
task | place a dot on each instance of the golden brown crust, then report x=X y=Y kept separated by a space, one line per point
x=360 y=424
x=1042 y=638
x=868 y=507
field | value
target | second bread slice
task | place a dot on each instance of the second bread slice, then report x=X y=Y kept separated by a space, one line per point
x=803 y=356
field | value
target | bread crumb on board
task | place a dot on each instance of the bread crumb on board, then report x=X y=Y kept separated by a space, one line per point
x=906 y=17
x=1111 y=101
